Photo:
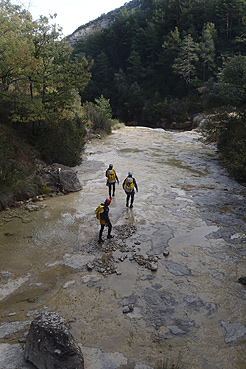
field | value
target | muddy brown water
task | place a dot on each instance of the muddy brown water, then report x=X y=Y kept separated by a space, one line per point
x=190 y=310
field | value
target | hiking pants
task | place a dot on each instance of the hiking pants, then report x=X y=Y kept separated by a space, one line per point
x=128 y=196
x=110 y=185
x=102 y=228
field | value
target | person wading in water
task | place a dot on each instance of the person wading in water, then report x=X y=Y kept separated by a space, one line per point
x=128 y=186
x=111 y=179
x=102 y=213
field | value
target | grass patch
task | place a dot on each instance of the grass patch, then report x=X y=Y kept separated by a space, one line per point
x=166 y=364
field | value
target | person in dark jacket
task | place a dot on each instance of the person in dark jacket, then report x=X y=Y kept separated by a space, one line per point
x=105 y=221
x=128 y=185
x=111 y=179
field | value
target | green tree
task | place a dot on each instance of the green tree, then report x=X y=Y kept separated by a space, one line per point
x=16 y=28
x=102 y=66
x=99 y=115
x=185 y=63
x=38 y=80
x=230 y=15
x=234 y=71
x=136 y=102
x=172 y=42
x=229 y=92
x=227 y=125
x=134 y=66
x=207 y=48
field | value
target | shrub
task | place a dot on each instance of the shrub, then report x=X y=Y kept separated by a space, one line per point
x=61 y=143
x=99 y=114
x=228 y=131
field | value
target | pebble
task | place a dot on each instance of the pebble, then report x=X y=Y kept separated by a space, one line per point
x=89 y=266
x=11 y=314
x=32 y=313
x=242 y=280
x=32 y=207
x=127 y=309
x=69 y=283
x=153 y=267
x=22 y=340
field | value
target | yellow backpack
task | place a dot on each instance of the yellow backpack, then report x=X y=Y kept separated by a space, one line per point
x=99 y=211
x=129 y=185
x=111 y=175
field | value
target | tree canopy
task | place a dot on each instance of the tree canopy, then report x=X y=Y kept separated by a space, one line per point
x=38 y=82
x=169 y=48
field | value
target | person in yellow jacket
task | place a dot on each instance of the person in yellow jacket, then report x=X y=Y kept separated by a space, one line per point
x=128 y=185
x=111 y=180
x=102 y=213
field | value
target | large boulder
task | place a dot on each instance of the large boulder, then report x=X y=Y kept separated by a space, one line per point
x=60 y=178
x=50 y=345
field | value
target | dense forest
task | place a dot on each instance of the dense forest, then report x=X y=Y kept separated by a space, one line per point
x=157 y=65
x=154 y=62
x=170 y=59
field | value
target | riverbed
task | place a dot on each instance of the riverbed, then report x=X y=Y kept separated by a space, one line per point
x=164 y=290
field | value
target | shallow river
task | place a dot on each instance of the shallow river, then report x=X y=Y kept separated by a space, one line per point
x=129 y=304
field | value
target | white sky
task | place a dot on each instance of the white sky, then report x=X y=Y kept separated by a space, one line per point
x=71 y=14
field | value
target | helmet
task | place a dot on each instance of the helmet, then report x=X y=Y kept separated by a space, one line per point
x=107 y=201
x=110 y=165
x=130 y=174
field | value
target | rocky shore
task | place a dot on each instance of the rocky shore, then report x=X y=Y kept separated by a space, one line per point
x=55 y=179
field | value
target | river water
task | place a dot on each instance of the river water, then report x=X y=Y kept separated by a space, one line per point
x=164 y=290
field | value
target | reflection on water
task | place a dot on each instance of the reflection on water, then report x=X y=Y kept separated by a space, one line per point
x=186 y=204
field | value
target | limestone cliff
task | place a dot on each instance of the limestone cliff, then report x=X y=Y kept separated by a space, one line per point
x=100 y=23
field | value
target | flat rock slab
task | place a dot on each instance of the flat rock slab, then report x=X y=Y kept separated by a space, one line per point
x=97 y=359
x=12 y=285
x=8 y=329
x=177 y=269
x=12 y=357
x=234 y=331
x=77 y=261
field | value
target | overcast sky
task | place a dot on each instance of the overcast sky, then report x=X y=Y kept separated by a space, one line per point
x=71 y=14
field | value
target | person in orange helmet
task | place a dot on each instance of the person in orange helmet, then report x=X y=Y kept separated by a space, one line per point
x=102 y=213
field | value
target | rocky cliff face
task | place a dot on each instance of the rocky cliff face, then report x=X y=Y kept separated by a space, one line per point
x=100 y=23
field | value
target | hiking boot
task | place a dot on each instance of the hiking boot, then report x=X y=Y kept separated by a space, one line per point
x=100 y=240
x=127 y=205
x=131 y=206
x=110 y=236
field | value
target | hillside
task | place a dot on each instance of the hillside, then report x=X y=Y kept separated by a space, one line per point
x=164 y=61
x=153 y=60
x=101 y=22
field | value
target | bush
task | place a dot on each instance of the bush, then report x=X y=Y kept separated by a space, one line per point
x=61 y=143
x=99 y=115
x=166 y=112
x=15 y=157
x=228 y=131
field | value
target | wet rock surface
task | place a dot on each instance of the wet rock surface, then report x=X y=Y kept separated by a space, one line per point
x=58 y=177
x=234 y=331
x=12 y=356
x=166 y=287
